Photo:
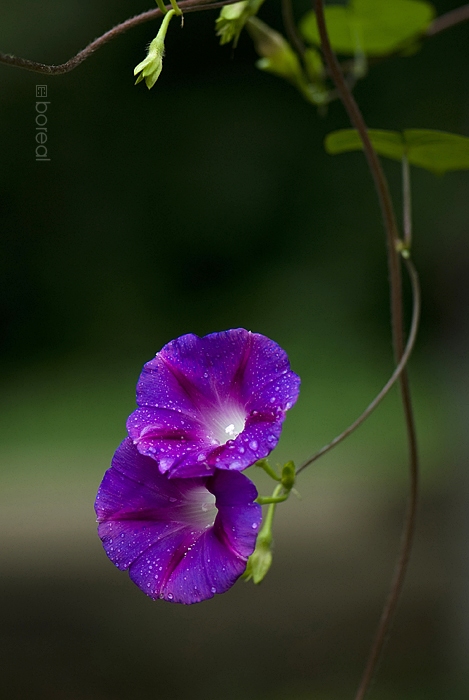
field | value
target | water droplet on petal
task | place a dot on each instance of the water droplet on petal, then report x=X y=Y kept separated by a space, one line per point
x=170 y=596
x=213 y=589
x=255 y=526
x=253 y=445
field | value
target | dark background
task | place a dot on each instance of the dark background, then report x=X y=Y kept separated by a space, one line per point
x=205 y=204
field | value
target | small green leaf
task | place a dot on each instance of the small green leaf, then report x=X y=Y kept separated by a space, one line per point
x=436 y=151
x=372 y=27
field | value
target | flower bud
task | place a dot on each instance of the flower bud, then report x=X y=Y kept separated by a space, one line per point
x=260 y=560
x=151 y=67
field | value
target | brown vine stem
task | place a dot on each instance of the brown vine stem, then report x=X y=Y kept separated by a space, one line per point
x=185 y=5
x=416 y=297
x=395 y=282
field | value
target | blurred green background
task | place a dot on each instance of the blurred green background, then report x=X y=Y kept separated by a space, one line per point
x=205 y=204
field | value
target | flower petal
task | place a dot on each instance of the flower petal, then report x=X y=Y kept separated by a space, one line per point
x=219 y=401
x=181 y=539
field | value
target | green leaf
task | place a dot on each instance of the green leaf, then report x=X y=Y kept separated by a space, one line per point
x=371 y=27
x=436 y=151
x=386 y=143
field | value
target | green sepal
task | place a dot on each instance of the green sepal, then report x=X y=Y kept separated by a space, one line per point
x=371 y=27
x=436 y=151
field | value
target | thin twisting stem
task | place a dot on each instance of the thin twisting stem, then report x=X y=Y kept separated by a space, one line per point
x=450 y=19
x=416 y=297
x=290 y=27
x=392 y=237
x=185 y=5
x=406 y=202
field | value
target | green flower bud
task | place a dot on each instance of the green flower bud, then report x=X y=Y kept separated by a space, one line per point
x=278 y=57
x=233 y=18
x=260 y=560
x=288 y=476
x=151 y=67
x=230 y=22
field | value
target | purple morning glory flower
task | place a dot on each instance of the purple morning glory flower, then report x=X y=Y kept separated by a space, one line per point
x=182 y=540
x=212 y=402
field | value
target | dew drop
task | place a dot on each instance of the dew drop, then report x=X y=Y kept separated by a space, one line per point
x=170 y=596
x=253 y=445
x=213 y=589
x=241 y=450
x=255 y=526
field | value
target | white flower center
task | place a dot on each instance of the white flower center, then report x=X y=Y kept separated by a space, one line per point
x=226 y=424
x=199 y=510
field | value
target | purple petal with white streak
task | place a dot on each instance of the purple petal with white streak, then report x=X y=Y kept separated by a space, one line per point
x=216 y=402
x=182 y=540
